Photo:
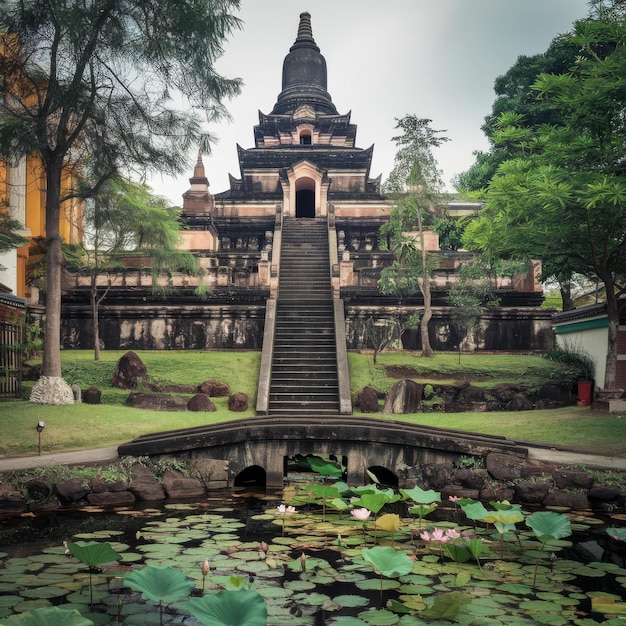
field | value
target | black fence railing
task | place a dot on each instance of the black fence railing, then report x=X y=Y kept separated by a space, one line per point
x=11 y=342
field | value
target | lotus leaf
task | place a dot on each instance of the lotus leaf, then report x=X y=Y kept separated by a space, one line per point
x=381 y=617
x=160 y=584
x=229 y=608
x=325 y=468
x=48 y=617
x=93 y=553
x=617 y=533
x=447 y=605
x=389 y=523
x=549 y=525
x=474 y=510
x=421 y=496
x=374 y=502
x=388 y=561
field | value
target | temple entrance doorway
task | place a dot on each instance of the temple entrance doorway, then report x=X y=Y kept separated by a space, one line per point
x=305 y=197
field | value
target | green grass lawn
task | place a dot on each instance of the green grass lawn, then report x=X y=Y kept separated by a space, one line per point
x=86 y=426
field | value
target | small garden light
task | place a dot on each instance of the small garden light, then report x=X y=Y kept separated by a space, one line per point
x=40 y=427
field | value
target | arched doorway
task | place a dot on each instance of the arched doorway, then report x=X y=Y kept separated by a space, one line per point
x=305 y=197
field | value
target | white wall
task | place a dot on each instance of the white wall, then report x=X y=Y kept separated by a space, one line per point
x=593 y=341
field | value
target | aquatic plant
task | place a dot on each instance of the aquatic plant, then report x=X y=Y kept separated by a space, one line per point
x=548 y=526
x=229 y=608
x=160 y=585
x=93 y=554
x=390 y=562
x=48 y=616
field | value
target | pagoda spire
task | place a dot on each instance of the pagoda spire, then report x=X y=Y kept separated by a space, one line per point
x=304 y=75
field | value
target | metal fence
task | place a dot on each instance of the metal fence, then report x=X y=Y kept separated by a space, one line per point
x=11 y=342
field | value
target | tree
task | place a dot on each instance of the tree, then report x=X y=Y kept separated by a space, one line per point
x=415 y=181
x=87 y=86
x=9 y=238
x=125 y=217
x=567 y=194
x=469 y=297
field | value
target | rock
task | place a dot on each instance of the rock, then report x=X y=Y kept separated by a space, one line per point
x=534 y=467
x=38 y=489
x=569 y=499
x=214 y=389
x=92 y=395
x=573 y=479
x=458 y=491
x=171 y=388
x=129 y=370
x=51 y=390
x=70 y=491
x=111 y=498
x=10 y=498
x=404 y=397
x=520 y=402
x=156 y=402
x=492 y=491
x=439 y=475
x=470 y=395
x=200 y=402
x=603 y=494
x=560 y=393
x=238 y=402
x=504 y=393
x=99 y=485
x=367 y=400
x=77 y=394
x=471 y=478
x=178 y=486
x=532 y=491
x=144 y=485
x=504 y=466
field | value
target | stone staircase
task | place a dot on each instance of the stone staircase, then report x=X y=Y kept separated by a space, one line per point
x=304 y=377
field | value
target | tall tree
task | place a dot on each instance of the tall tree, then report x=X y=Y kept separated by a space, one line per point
x=9 y=237
x=567 y=194
x=87 y=85
x=415 y=181
x=126 y=217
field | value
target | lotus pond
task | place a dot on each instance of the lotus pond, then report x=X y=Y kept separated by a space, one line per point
x=321 y=554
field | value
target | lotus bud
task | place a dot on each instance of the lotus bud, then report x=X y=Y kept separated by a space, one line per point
x=303 y=562
x=205 y=569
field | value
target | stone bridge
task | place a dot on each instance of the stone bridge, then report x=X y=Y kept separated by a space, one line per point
x=256 y=447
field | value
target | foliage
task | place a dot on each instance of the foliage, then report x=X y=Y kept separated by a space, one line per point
x=576 y=364
x=416 y=181
x=229 y=608
x=93 y=554
x=563 y=198
x=49 y=616
x=9 y=238
x=160 y=584
x=87 y=88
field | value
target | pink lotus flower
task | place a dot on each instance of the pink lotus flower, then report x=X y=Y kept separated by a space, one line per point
x=438 y=535
x=454 y=498
x=360 y=514
x=285 y=510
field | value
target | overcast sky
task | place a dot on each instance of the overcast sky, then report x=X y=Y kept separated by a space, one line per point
x=437 y=59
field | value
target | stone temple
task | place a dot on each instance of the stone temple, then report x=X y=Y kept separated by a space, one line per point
x=292 y=256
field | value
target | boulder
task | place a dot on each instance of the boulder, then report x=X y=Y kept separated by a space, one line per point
x=38 y=489
x=367 y=400
x=156 y=402
x=560 y=393
x=603 y=494
x=573 y=479
x=111 y=498
x=532 y=491
x=238 y=402
x=99 y=485
x=70 y=491
x=144 y=485
x=570 y=499
x=458 y=491
x=471 y=395
x=437 y=476
x=78 y=396
x=404 y=397
x=504 y=466
x=200 y=402
x=128 y=371
x=92 y=395
x=178 y=486
x=214 y=389
x=493 y=491
x=520 y=402
x=471 y=478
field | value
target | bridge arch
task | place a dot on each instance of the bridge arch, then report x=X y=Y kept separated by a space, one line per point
x=253 y=476
x=384 y=476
